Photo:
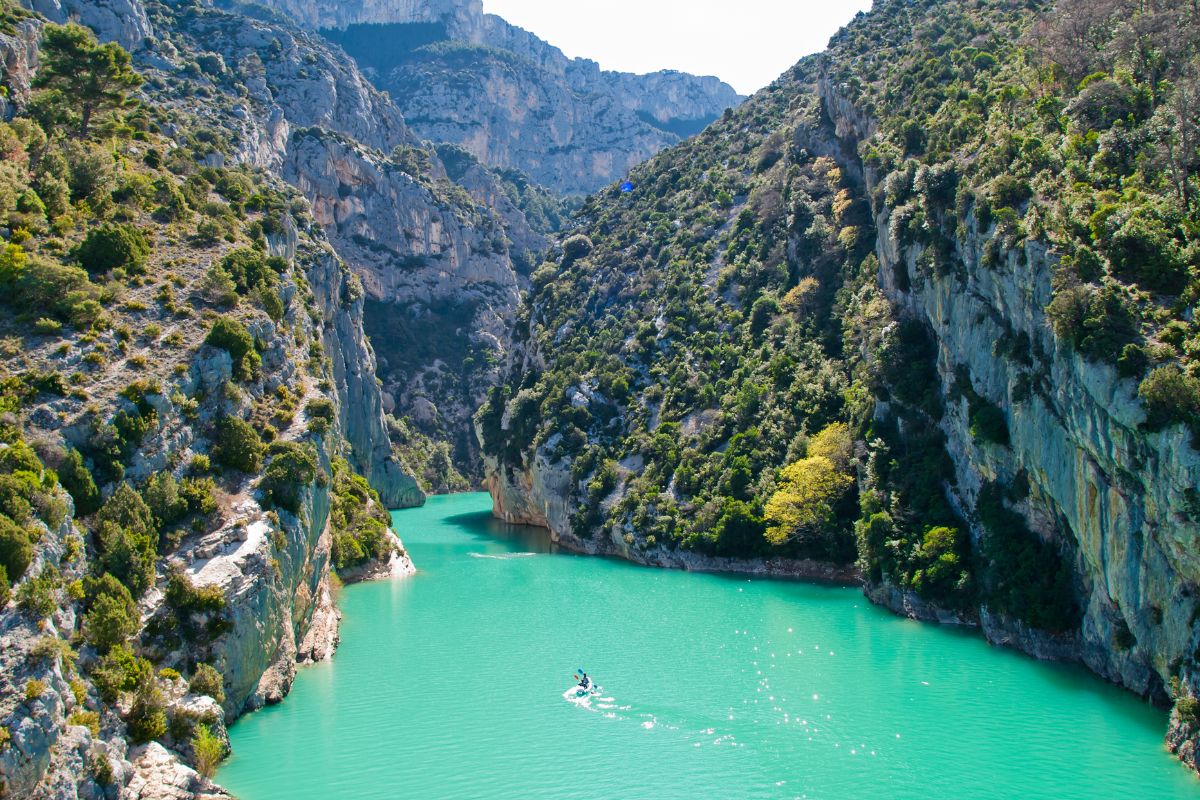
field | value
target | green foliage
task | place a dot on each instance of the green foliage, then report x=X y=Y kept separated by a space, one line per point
x=809 y=491
x=321 y=414
x=237 y=445
x=120 y=671
x=114 y=245
x=231 y=336
x=291 y=469
x=77 y=479
x=1027 y=577
x=187 y=598
x=16 y=549
x=147 y=717
x=206 y=680
x=112 y=614
x=359 y=520
x=38 y=595
x=127 y=539
x=1171 y=397
x=85 y=77
x=207 y=751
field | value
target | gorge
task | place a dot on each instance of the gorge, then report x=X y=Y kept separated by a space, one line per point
x=918 y=316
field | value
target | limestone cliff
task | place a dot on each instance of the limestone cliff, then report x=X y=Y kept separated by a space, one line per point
x=937 y=301
x=511 y=99
x=439 y=261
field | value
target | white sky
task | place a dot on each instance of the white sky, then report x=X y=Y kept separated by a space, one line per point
x=747 y=43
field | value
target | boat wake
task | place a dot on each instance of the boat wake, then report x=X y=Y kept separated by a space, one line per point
x=596 y=701
x=502 y=556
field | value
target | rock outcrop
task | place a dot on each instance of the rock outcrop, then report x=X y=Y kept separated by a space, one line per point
x=511 y=99
x=1085 y=478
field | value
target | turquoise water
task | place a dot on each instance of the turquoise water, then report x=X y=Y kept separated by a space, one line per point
x=450 y=685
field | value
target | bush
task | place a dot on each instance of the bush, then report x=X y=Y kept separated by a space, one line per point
x=1097 y=322
x=147 y=718
x=358 y=518
x=120 y=671
x=112 y=615
x=1170 y=397
x=238 y=445
x=128 y=539
x=34 y=689
x=39 y=595
x=321 y=414
x=988 y=424
x=1028 y=578
x=114 y=245
x=292 y=468
x=77 y=479
x=575 y=248
x=206 y=680
x=187 y=598
x=231 y=336
x=1143 y=250
x=16 y=550
x=208 y=751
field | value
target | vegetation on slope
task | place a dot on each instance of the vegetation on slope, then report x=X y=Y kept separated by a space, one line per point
x=129 y=268
x=692 y=349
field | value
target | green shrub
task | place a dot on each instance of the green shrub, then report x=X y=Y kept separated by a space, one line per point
x=114 y=245
x=1170 y=397
x=1142 y=249
x=39 y=595
x=88 y=719
x=128 y=538
x=161 y=494
x=989 y=424
x=291 y=469
x=575 y=248
x=34 y=689
x=231 y=336
x=147 y=718
x=112 y=615
x=120 y=671
x=237 y=445
x=358 y=519
x=208 y=751
x=187 y=598
x=1027 y=577
x=200 y=495
x=206 y=680
x=321 y=414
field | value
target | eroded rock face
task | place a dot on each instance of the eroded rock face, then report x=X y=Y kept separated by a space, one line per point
x=121 y=21
x=516 y=101
x=463 y=16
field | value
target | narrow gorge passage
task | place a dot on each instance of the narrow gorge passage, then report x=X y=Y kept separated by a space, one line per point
x=450 y=684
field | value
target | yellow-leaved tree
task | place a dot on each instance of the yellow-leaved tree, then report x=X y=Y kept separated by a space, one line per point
x=810 y=488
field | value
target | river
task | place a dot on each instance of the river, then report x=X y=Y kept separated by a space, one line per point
x=450 y=684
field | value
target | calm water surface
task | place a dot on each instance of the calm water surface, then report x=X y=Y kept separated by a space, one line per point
x=450 y=685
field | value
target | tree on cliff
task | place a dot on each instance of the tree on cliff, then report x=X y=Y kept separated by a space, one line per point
x=85 y=76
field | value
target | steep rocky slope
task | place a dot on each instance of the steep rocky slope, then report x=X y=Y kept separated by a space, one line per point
x=186 y=393
x=511 y=99
x=448 y=259
x=939 y=278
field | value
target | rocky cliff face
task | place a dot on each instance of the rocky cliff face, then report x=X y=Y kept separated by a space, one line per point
x=461 y=16
x=511 y=99
x=436 y=260
x=1014 y=406
x=264 y=565
x=1112 y=493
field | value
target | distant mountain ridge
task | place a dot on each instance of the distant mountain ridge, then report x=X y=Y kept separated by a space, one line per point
x=510 y=98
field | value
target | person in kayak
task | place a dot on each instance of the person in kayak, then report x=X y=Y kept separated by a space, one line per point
x=584 y=682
